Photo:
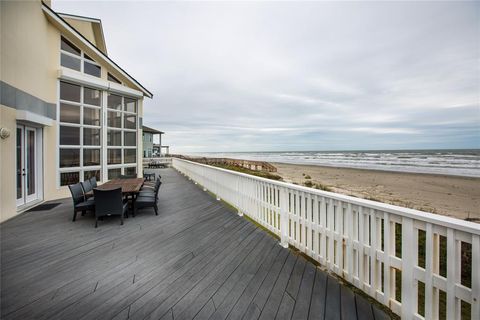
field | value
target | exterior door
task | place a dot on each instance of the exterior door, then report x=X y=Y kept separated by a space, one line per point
x=27 y=171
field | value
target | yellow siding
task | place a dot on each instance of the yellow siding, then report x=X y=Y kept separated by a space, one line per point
x=30 y=60
x=8 y=197
x=84 y=27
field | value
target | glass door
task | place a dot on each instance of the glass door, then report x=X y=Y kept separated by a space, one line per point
x=26 y=165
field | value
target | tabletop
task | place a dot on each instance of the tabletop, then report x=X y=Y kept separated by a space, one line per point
x=127 y=185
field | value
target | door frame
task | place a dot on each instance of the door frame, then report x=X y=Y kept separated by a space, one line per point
x=26 y=199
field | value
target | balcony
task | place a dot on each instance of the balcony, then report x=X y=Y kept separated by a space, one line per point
x=197 y=259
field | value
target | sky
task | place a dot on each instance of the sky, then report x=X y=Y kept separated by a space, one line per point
x=294 y=76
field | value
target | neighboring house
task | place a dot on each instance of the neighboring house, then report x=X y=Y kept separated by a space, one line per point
x=72 y=113
x=148 y=145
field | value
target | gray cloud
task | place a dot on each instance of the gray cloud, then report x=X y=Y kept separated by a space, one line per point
x=301 y=76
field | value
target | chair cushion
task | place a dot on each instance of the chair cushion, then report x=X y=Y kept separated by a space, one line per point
x=90 y=203
x=145 y=200
x=146 y=193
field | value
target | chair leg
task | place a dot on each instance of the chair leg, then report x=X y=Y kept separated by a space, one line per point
x=96 y=222
x=121 y=220
x=74 y=215
x=156 y=209
x=83 y=212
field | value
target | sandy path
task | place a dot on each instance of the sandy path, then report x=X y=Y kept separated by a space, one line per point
x=448 y=195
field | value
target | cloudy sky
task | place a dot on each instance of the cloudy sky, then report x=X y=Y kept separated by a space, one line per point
x=275 y=76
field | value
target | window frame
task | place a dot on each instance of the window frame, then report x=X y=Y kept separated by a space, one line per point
x=80 y=57
x=81 y=146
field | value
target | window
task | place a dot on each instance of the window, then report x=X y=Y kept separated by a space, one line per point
x=73 y=58
x=114 y=138
x=79 y=132
x=91 y=96
x=69 y=92
x=114 y=119
x=130 y=105
x=91 y=116
x=69 y=113
x=67 y=46
x=114 y=156
x=112 y=78
x=67 y=178
x=114 y=173
x=91 y=157
x=69 y=136
x=90 y=145
x=91 y=67
x=90 y=174
x=130 y=139
x=69 y=158
x=91 y=137
x=130 y=121
x=121 y=131
x=130 y=155
x=130 y=171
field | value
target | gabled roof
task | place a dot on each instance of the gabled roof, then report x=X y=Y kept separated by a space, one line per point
x=151 y=130
x=97 y=27
x=58 y=21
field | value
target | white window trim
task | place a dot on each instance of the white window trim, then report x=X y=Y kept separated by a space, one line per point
x=71 y=76
x=80 y=57
x=80 y=169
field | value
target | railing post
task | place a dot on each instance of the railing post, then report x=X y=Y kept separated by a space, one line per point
x=475 y=277
x=408 y=262
x=240 y=196
x=284 y=217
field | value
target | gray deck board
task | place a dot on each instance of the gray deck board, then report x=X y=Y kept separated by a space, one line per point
x=319 y=294
x=196 y=260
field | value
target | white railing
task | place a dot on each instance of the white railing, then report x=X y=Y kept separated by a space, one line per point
x=396 y=255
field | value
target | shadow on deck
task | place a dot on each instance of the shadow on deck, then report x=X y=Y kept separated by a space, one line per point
x=196 y=260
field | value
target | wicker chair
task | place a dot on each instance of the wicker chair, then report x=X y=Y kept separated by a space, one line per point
x=93 y=181
x=147 y=201
x=109 y=203
x=87 y=187
x=79 y=201
x=150 y=191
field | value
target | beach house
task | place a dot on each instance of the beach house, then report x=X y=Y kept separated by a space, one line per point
x=151 y=149
x=68 y=112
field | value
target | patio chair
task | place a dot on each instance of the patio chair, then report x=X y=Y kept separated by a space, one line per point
x=148 y=201
x=150 y=191
x=93 y=181
x=151 y=184
x=79 y=201
x=109 y=203
x=87 y=187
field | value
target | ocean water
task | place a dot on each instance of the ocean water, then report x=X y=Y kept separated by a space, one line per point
x=448 y=162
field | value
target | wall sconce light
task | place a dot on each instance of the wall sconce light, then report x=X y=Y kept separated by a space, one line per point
x=4 y=133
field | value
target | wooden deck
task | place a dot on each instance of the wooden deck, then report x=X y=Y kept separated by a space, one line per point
x=195 y=260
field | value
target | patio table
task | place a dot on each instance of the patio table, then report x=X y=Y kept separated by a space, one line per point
x=129 y=187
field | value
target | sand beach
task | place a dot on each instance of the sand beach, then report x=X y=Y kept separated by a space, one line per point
x=454 y=196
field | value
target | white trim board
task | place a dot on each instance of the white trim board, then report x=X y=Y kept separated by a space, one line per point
x=98 y=83
x=30 y=117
